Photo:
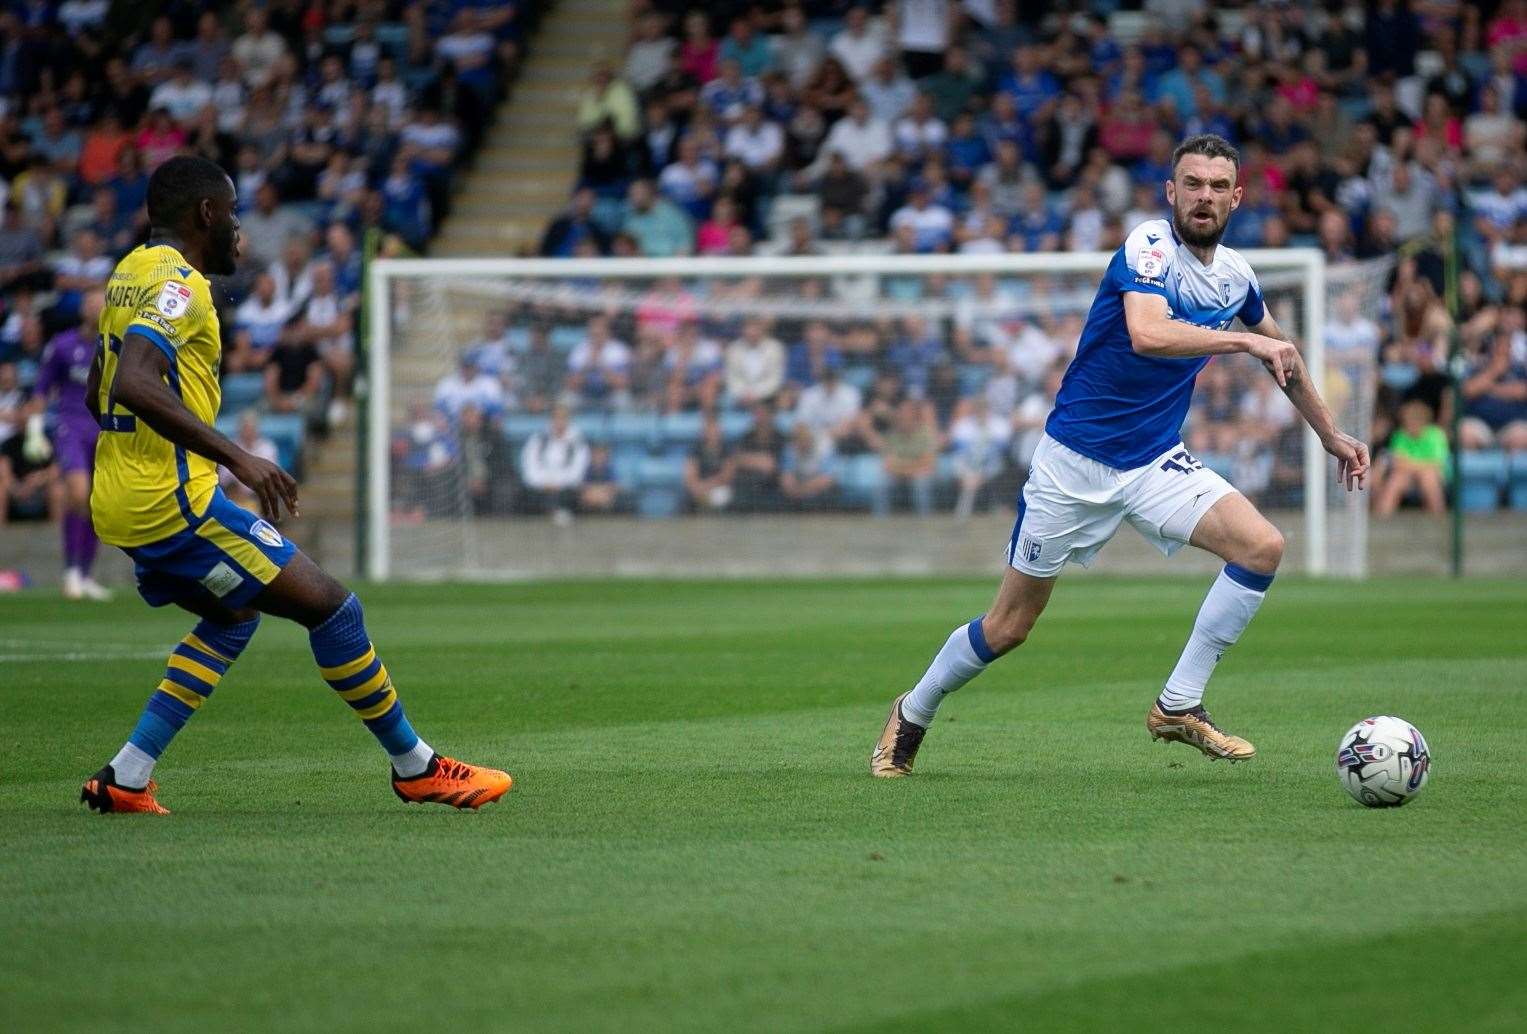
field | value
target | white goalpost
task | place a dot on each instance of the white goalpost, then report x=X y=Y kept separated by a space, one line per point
x=426 y=515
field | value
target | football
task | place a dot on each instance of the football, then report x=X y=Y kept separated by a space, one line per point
x=1383 y=761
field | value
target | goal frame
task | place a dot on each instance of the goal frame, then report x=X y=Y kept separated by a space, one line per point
x=1309 y=263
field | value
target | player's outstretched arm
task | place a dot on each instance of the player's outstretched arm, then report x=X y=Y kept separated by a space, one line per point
x=1351 y=454
x=140 y=385
x=1152 y=331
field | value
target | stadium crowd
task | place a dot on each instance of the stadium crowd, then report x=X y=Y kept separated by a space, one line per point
x=1387 y=133
x=341 y=123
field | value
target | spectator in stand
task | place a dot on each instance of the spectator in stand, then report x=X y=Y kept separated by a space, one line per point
x=690 y=182
x=932 y=225
x=260 y=51
x=889 y=93
x=294 y=380
x=748 y=48
x=699 y=52
x=601 y=492
x=1495 y=391
x=909 y=451
x=540 y=372
x=573 y=227
x=599 y=368
x=83 y=269
x=659 y=228
x=714 y=237
x=807 y=472
x=182 y=95
x=693 y=367
x=757 y=457
x=607 y=99
x=798 y=51
x=710 y=469
x=980 y=439
x=469 y=386
x=553 y=464
x=864 y=142
x=264 y=231
x=830 y=407
x=21 y=252
x=757 y=143
x=860 y=44
x=1418 y=462
x=650 y=55
x=30 y=486
x=257 y=326
x=755 y=365
x=252 y=441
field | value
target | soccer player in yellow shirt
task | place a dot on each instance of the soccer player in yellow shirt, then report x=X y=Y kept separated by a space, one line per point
x=154 y=391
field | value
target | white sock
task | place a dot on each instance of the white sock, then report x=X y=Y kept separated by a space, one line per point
x=1231 y=604
x=414 y=762
x=132 y=767
x=964 y=656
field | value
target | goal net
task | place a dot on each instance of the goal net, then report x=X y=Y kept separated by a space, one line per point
x=731 y=404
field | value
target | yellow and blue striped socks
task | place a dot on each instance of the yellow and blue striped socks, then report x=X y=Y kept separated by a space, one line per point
x=195 y=668
x=349 y=664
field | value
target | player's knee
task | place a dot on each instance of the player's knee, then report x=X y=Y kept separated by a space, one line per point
x=1007 y=631
x=1265 y=551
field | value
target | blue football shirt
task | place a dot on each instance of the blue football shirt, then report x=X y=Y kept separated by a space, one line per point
x=1124 y=409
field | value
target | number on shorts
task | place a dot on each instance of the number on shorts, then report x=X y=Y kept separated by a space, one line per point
x=1182 y=461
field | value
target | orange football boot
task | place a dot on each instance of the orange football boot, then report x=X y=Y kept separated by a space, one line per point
x=448 y=781
x=101 y=793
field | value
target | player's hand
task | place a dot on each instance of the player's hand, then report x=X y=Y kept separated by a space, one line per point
x=270 y=484
x=1280 y=357
x=1351 y=460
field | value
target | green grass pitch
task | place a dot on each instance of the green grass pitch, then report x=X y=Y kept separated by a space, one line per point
x=694 y=844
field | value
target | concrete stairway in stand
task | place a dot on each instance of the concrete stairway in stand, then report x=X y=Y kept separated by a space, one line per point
x=529 y=161
x=518 y=181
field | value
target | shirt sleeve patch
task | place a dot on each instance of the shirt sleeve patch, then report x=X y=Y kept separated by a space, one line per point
x=1151 y=264
x=174 y=299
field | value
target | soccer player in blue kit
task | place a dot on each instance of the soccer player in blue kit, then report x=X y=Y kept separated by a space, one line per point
x=1112 y=451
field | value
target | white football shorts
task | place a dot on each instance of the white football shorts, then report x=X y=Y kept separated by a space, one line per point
x=1071 y=505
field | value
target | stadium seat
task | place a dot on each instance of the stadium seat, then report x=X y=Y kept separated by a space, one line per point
x=1483 y=475
x=973 y=378
x=659 y=502
x=735 y=423
x=860 y=375
x=633 y=428
x=242 y=390
x=520 y=426
x=595 y=427
x=681 y=427
x=860 y=477
x=944 y=470
x=1517 y=491
x=286 y=432
x=661 y=471
x=626 y=462
x=565 y=338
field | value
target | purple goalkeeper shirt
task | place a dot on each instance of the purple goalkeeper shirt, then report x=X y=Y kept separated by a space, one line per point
x=65 y=369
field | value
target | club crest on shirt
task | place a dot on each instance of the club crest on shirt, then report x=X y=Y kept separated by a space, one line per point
x=262 y=530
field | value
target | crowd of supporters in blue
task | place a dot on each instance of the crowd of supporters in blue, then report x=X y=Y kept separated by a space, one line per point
x=1385 y=131
x=342 y=125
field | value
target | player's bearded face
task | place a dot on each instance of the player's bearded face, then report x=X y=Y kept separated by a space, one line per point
x=1203 y=196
